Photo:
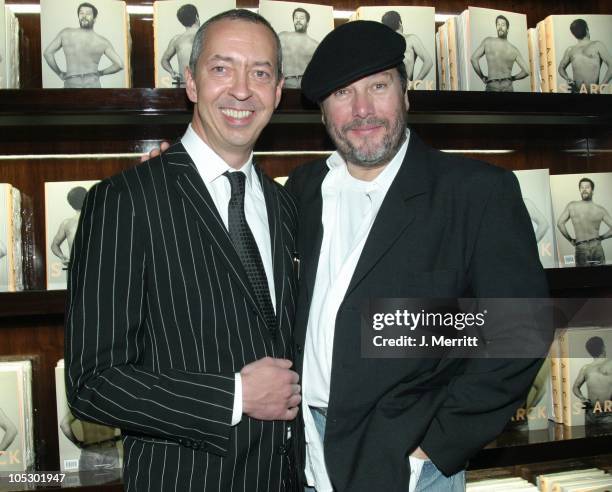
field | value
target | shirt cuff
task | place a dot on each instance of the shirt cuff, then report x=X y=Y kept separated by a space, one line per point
x=237 y=411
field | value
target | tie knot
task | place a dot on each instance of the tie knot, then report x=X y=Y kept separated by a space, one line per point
x=237 y=180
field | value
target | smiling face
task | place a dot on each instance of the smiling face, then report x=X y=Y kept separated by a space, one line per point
x=234 y=88
x=367 y=119
x=502 y=28
x=586 y=191
x=300 y=22
x=86 y=17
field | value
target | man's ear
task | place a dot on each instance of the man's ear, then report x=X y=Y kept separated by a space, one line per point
x=406 y=99
x=190 y=86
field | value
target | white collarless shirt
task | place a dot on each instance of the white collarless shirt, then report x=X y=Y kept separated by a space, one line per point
x=349 y=209
x=211 y=168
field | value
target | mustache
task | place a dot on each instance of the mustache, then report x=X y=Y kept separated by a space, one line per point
x=360 y=123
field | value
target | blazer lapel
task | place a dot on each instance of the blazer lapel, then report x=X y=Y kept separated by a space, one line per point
x=312 y=221
x=189 y=184
x=395 y=213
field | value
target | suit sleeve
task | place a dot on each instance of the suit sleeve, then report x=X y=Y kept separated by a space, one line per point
x=109 y=377
x=504 y=264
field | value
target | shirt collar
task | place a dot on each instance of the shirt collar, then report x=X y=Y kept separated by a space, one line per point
x=208 y=163
x=383 y=181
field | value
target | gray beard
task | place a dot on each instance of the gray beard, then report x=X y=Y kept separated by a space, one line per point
x=372 y=158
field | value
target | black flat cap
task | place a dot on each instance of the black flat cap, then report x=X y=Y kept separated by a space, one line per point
x=349 y=53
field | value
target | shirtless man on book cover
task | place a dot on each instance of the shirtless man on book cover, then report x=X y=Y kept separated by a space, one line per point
x=414 y=47
x=586 y=58
x=586 y=218
x=501 y=55
x=180 y=45
x=83 y=49
x=597 y=376
x=298 y=48
x=68 y=227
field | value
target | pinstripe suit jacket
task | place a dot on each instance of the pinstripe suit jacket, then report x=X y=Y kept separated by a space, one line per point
x=161 y=315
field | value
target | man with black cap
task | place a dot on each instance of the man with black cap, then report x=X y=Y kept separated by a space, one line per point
x=385 y=216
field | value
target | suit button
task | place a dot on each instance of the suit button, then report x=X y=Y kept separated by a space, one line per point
x=282 y=449
x=298 y=348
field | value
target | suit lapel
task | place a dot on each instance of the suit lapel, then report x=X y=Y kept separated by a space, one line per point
x=312 y=221
x=395 y=213
x=189 y=184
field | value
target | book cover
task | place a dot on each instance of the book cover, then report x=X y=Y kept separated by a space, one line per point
x=16 y=436
x=497 y=48
x=535 y=188
x=537 y=409
x=579 y=53
x=417 y=25
x=300 y=27
x=175 y=23
x=83 y=445
x=582 y=208
x=63 y=203
x=84 y=45
x=587 y=377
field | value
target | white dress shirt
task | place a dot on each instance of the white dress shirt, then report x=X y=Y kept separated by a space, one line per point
x=211 y=168
x=349 y=210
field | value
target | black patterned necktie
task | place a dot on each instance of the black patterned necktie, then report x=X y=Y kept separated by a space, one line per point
x=246 y=247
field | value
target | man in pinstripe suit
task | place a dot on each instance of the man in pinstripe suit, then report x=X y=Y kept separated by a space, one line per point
x=179 y=328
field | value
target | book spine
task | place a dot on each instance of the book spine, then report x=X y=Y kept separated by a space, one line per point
x=566 y=390
x=10 y=239
x=555 y=376
x=534 y=60
x=440 y=65
x=550 y=56
x=452 y=53
x=541 y=27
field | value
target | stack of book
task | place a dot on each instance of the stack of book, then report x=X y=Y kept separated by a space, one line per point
x=11 y=271
x=576 y=53
x=500 y=484
x=585 y=480
x=485 y=50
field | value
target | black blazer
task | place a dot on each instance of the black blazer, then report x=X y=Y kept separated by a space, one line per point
x=448 y=227
x=161 y=315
